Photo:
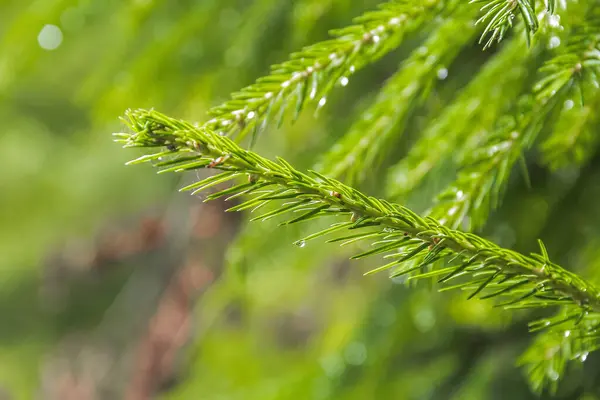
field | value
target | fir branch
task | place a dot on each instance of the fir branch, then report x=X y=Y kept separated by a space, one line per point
x=310 y=74
x=382 y=122
x=546 y=359
x=497 y=81
x=577 y=64
x=574 y=140
x=573 y=71
x=500 y=14
x=475 y=263
x=484 y=173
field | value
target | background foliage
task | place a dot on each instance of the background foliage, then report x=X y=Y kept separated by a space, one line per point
x=102 y=265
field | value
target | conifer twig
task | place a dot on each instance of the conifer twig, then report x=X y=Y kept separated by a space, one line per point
x=379 y=124
x=546 y=359
x=477 y=264
x=497 y=81
x=574 y=139
x=310 y=74
x=484 y=173
x=500 y=14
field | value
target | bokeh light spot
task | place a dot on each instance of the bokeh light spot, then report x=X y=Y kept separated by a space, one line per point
x=50 y=37
x=356 y=353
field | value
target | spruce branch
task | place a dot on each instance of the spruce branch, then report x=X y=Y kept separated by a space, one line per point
x=577 y=64
x=499 y=16
x=476 y=264
x=498 y=80
x=484 y=174
x=310 y=74
x=381 y=123
x=413 y=246
x=547 y=358
x=574 y=139
x=485 y=171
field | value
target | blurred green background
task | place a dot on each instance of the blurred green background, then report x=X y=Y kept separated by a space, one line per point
x=113 y=285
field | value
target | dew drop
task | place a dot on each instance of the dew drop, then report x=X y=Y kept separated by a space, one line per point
x=344 y=81
x=442 y=73
x=569 y=104
x=375 y=39
x=251 y=115
x=584 y=356
x=554 y=42
x=567 y=333
x=300 y=243
x=554 y=21
x=322 y=101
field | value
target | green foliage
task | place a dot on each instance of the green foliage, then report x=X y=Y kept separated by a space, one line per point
x=497 y=81
x=500 y=14
x=313 y=72
x=482 y=180
x=573 y=141
x=377 y=127
x=548 y=357
x=532 y=96
x=577 y=67
x=470 y=262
